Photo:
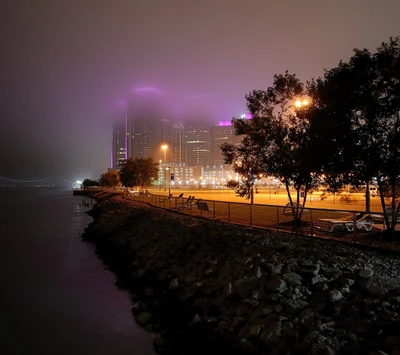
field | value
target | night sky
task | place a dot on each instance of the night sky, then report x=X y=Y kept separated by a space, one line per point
x=65 y=65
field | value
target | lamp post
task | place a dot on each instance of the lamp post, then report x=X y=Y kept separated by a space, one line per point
x=169 y=183
x=164 y=147
x=159 y=178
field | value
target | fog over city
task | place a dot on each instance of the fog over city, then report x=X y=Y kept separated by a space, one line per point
x=67 y=65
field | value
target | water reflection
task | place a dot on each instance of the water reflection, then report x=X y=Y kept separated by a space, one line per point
x=58 y=297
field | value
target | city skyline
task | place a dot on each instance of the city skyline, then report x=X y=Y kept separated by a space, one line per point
x=143 y=127
x=69 y=64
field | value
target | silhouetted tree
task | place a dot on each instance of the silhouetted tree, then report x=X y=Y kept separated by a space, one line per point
x=359 y=105
x=110 y=179
x=90 y=183
x=276 y=141
x=138 y=172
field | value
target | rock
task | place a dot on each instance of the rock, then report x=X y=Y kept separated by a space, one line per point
x=254 y=331
x=174 y=284
x=334 y=296
x=309 y=339
x=309 y=270
x=212 y=320
x=379 y=285
x=259 y=273
x=238 y=321
x=366 y=272
x=345 y=290
x=321 y=348
x=347 y=282
x=281 y=246
x=245 y=287
x=294 y=306
x=270 y=338
x=195 y=319
x=329 y=270
x=229 y=290
x=274 y=293
x=287 y=326
x=244 y=332
x=292 y=278
x=277 y=285
x=318 y=278
x=267 y=310
x=275 y=269
x=322 y=286
x=248 y=261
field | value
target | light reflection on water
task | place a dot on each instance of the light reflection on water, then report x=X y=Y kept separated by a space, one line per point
x=56 y=296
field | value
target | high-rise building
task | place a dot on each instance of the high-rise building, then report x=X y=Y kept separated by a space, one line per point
x=166 y=131
x=223 y=133
x=118 y=137
x=145 y=113
x=197 y=145
x=178 y=139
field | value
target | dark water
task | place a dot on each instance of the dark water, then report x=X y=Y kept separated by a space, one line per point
x=56 y=297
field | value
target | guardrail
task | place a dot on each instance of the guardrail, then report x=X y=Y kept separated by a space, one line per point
x=342 y=225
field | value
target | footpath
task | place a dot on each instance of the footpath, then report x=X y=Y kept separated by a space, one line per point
x=202 y=285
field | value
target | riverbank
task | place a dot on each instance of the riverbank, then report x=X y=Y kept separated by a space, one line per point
x=205 y=285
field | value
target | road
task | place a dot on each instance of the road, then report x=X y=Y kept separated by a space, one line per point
x=356 y=203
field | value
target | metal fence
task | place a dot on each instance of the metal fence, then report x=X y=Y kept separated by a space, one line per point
x=340 y=225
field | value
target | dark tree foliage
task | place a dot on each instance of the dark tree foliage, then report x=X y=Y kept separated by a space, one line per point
x=359 y=121
x=276 y=141
x=245 y=164
x=138 y=172
x=89 y=183
x=110 y=179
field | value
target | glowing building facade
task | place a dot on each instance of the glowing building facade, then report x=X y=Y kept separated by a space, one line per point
x=197 y=145
x=223 y=133
x=178 y=139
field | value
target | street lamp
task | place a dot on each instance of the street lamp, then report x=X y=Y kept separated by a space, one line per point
x=169 y=183
x=159 y=178
x=164 y=147
x=301 y=103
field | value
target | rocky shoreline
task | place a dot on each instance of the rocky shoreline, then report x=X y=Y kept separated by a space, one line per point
x=203 y=285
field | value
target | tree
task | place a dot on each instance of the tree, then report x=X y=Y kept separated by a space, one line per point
x=360 y=103
x=276 y=141
x=245 y=164
x=110 y=179
x=89 y=183
x=138 y=172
